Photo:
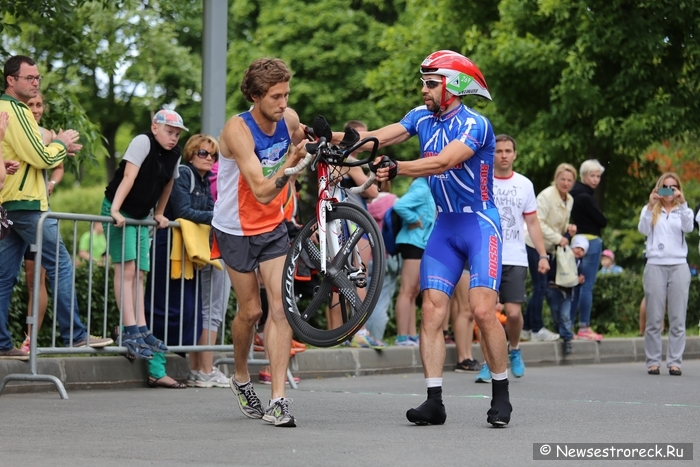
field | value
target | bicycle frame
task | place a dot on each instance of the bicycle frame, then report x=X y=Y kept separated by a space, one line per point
x=326 y=231
x=325 y=198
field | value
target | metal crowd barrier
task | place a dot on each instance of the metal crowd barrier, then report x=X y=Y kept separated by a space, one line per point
x=86 y=309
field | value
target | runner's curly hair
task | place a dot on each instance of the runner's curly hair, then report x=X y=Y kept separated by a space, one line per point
x=261 y=75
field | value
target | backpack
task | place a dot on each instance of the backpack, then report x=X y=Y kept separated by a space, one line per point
x=391 y=226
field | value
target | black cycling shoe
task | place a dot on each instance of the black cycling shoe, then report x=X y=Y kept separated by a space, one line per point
x=499 y=413
x=430 y=412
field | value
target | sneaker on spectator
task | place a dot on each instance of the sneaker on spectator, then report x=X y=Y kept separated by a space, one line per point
x=248 y=400
x=484 y=375
x=525 y=335
x=467 y=366
x=448 y=338
x=278 y=413
x=215 y=379
x=415 y=338
x=298 y=347
x=366 y=342
x=13 y=354
x=26 y=345
x=266 y=378
x=95 y=342
x=405 y=341
x=543 y=335
x=192 y=378
x=517 y=366
x=589 y=334
x=568 y=349
x=258 y=343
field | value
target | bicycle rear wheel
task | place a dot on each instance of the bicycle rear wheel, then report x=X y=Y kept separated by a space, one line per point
x=345 y=275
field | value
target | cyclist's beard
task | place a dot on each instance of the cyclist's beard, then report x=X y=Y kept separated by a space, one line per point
x=432 y=105
x=434 y=108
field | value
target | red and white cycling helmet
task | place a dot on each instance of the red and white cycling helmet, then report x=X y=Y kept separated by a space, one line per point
x=460 y=77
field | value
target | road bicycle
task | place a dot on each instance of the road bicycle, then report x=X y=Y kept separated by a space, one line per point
x=329 y=244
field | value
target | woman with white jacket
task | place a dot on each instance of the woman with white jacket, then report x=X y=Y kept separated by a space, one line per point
x=665 y=220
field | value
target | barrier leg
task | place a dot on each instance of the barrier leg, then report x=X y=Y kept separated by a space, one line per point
x=22 y=377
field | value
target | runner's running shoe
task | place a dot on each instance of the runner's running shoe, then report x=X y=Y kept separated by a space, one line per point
x=278 y=413
x=248 y=401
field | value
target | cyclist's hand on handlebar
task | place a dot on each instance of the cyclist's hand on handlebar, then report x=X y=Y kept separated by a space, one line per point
x=385 y=168
x=298 y=152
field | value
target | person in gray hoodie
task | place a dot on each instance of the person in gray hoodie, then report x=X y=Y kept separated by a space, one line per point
x=665 y=220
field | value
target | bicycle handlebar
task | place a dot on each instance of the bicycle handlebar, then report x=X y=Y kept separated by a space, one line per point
x=335 y=155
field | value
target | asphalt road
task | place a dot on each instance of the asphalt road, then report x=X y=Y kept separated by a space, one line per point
x=355 y=421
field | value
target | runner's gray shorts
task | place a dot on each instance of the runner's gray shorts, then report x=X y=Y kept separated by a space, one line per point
x=513 y=284
x=244 y=254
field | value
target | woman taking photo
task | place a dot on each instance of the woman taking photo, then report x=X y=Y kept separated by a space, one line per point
x=554 y=205
x=589 y=221
x=665 y=220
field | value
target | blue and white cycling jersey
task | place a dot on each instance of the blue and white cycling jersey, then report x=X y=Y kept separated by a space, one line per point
x=467 y=187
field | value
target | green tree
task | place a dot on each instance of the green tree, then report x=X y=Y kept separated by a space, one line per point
x=591 y=79
x=120 y=60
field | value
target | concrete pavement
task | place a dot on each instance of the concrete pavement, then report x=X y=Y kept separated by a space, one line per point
x=348 y=421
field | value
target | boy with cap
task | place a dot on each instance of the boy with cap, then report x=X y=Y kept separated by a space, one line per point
x=560 y=298
x=142 y=182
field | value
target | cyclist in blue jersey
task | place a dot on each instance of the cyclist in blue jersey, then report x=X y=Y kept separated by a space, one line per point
x=457 y=154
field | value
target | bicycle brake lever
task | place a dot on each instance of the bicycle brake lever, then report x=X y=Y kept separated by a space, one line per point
x=312 y=148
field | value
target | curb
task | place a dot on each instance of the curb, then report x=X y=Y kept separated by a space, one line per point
x=110 y=372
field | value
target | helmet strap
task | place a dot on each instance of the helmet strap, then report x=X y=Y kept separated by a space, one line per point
x=444 y=104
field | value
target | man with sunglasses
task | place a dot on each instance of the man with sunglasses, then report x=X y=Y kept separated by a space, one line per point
x=457 y=146
x=25 y=197
x=248 y=227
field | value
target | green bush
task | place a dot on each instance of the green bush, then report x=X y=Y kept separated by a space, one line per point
x=18 y=306
x=80 y=200
x=616 y=300
x=615 y=310
x=98 y=321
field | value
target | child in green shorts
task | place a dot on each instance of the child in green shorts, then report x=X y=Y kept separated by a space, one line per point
x=142 y=182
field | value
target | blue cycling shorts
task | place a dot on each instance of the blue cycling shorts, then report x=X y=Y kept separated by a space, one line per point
x=459 y=238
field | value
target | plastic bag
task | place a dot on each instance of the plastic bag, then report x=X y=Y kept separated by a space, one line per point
x=567 y=272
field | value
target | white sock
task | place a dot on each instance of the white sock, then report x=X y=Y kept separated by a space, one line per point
x=500 y=376
x=433 y=382
x=272 y=401
x=515 y=348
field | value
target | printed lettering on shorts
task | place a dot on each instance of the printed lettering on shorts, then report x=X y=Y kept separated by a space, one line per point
x=493 y=257
x=441 y=280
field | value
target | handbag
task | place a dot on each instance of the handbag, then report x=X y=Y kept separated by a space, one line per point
x=567 y=272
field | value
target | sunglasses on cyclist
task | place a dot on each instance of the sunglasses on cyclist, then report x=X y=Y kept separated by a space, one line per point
x=203 y=154
x=430 y=83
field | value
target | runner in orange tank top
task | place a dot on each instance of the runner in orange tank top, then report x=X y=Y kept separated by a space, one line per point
x=248 y=226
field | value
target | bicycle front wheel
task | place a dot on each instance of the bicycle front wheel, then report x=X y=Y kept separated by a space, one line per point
x=348 y=283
